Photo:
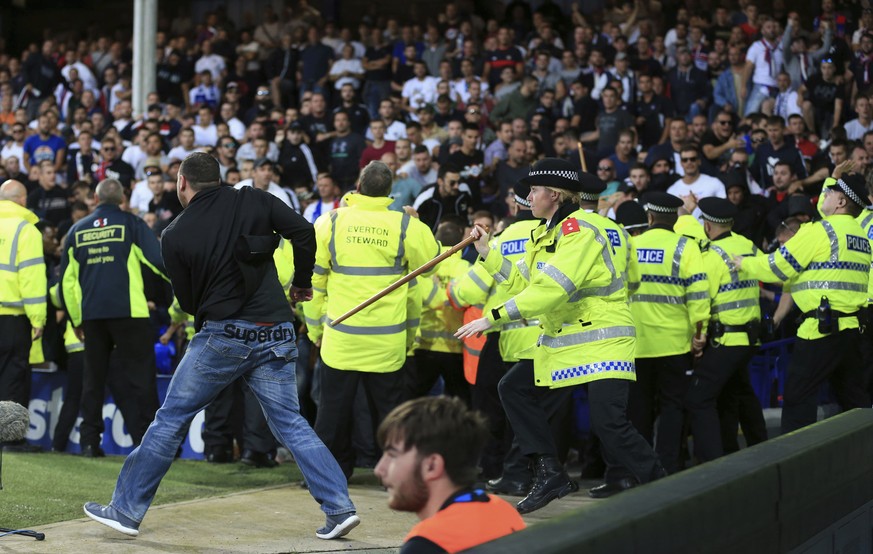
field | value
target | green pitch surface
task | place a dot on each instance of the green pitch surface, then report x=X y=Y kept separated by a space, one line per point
x=49 y=487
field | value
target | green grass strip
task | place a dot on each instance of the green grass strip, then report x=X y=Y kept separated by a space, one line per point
x=50 y=487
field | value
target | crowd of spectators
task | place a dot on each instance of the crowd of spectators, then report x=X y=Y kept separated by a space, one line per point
x=756 y=103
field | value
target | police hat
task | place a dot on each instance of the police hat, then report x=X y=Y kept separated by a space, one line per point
x=554 y=173
x=662 y=202
x=854 y=187
x=631 y=215
x=591 y=185
x=521 y=192
x=717 y=210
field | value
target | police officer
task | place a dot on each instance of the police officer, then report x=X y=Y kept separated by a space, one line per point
x=670 y=306
x=362 y=249
x=828 y=263
x=102 y=291
x=22 y=291
x=632 y=217
x=733 y=331
x=588 y=335
x=504 y=344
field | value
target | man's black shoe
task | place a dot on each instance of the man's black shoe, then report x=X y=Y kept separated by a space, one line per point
x=609 y=489
x=220 y=456
x=507 y=487
x=92 y=451
x=258 y=459
x=550 y=483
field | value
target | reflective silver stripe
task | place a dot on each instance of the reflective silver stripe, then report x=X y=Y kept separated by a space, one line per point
x=311 y=321
x=829 y=285
x=512 y=309
x=24 y=301
x=604 y=244
x=832 y=236
x=754 y=250
x=677 y=255
x=318 y=270
x=658 y=298
x=374 y=330
x=30 y=262
x=627 y=252
x=478 y=280
x=438 y=335
x=505 y=271
x=14 y=249
x=633 y=286
x=524 y=324
x=367 y=271
x=401 y=248
x=588 y=336
x=616 y=285
x=322 y=291
x=702 y=295
x=413 y=282
x=455 y=298
x=73 y=346
x=867 y=220
x=562 y=280
x=775 y=269
x=522 y=268
x=472 y=351
x=433 y=291
x=735 y=276
x=411 y=323
x=728 y=306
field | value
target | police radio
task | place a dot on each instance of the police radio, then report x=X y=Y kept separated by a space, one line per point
x=824 y=316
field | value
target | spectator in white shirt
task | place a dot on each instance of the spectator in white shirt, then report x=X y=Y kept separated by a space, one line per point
x=236 y=127
x=142 y=192
x=694 y=185
x=346 y=70
x=763 y=62
x=205 y=132
x=262 y=178
x=210 y=61
x=420 y=90
x=787 y=99
x=186 y=145
x=205 y=93
x=856 y=128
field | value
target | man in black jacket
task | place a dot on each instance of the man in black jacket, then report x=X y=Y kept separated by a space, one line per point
x=219 y=255
x=448 y=196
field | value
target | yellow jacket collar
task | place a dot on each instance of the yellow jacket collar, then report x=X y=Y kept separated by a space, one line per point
x=365 y=202
x=8 y=208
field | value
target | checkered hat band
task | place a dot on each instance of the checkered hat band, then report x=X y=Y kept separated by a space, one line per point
x=522 y=201
x=662 y=209
x=573 y=175
x=722 y=220
x=589 y=196
x=850 y=193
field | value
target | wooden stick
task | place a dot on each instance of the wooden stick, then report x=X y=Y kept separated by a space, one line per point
x=582 y=157
x=400 y=282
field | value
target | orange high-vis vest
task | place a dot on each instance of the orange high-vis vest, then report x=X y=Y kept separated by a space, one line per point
x=472 y=345
x=472 y=519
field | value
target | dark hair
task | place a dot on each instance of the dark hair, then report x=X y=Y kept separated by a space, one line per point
x=421 y=149
x=471 y=127
x=447 y=168
x=776 y=120
x=449 y=233
x=201 y=171
x=690 y=147
x=639 y=165
x=376 y=180
x=438 y=425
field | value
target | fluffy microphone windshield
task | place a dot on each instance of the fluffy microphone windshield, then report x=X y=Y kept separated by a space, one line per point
x=14 y=421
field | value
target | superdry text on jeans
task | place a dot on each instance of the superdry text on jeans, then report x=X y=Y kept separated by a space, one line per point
x=231 y=331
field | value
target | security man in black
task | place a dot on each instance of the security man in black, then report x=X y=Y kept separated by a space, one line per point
x=103 y=293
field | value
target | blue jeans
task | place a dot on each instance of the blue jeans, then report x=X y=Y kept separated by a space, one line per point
x=219 y=353
x=758 y=94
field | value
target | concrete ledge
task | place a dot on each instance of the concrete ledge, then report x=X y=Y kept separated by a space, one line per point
x=772 y=497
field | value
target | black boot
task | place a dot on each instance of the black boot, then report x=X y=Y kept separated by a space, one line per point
x=550 y=482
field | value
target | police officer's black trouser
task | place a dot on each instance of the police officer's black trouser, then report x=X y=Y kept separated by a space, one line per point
x=836 y=357
x=660 y=392
x=738 y=405
x=715 y=369
x=430 y=366
x=334 y=425
x=72 y=401
x=486 y=400
x=132 y=380
x=15 y=333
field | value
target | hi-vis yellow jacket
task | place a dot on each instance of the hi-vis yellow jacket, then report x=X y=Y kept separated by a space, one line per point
x=569 y=281
x=362 y=249
x=828 y=258
x=479 y=287
x=23 y=283
x=865 y=220
x=72 y=344
x=735 y=297
x=673 y=294
x=624 y=254
x=439 y=320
